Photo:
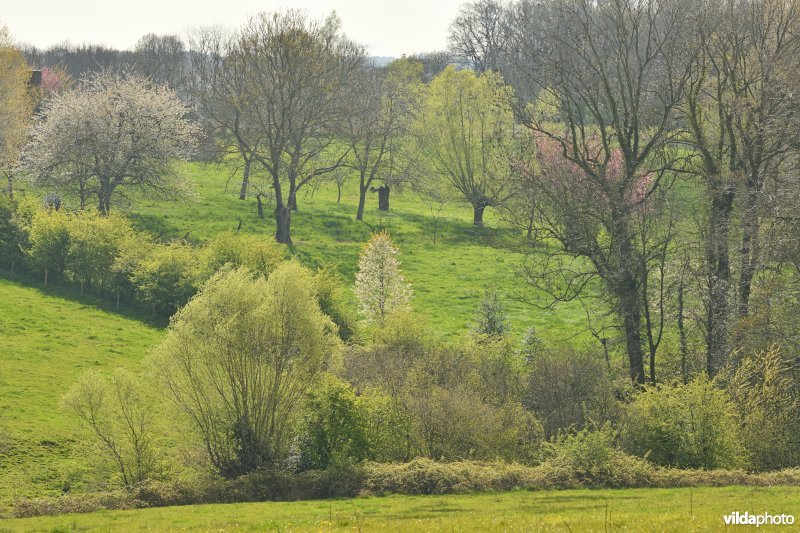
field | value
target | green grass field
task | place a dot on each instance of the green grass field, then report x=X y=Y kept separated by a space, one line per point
x=47 y=339
x=699 y=509
x=448 y=277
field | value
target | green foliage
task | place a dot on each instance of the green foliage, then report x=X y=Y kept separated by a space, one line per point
x=333 y=430
x=765 y=390
x=168 y=276
x=329 y=292
x=238 y=359
x=49 y=241
x=691 y=425
x=258 y=254
x=94 y=245
x=10 y=235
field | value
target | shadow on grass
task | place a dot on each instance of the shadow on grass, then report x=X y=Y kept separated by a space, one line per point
x=59 y=288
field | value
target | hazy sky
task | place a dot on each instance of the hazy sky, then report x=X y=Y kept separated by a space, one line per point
x=384 y=27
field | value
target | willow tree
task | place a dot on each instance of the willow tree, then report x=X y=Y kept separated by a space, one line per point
x=238 y=359
x=465 y=128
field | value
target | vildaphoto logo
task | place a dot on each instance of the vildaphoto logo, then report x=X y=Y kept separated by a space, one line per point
x=746 y=519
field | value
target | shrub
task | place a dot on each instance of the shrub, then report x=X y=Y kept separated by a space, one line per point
x=590 y=458
x=167 y=276
x=380 y=287
x=334 y=427
x=257 y=254
x=94 y=244
x=570 y=390
x=11 y=237
x=765 y=390
x=691 y=425
x=48 y=238
x=329 y=293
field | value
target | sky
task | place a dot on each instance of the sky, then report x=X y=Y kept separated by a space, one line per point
x=386 y=28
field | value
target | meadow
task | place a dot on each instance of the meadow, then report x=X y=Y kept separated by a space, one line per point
x=698 y=509
x=448 y=276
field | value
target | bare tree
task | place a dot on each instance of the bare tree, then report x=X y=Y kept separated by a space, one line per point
x=614 y=72
x=477 y=35
x=377 y=127
x=299 y=78
x=112 y=134
x=162 y=58
x=218 y=86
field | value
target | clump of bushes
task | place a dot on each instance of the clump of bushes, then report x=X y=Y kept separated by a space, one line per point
x=692 y=425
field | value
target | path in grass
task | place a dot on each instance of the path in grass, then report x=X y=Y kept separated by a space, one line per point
x=46 y=342
x=699 y=509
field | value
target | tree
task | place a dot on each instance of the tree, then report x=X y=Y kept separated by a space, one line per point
x=477 y=35
x=16 y=107
x=466 y=128
x=218 y=85
x=377 y=128
x=115 y=134
x=380 y=287
x=299 y=78
x=615 y=72
x=120 y=419
x=162 y=59
x=490 y=317
x=739 y=104
x=238 y=359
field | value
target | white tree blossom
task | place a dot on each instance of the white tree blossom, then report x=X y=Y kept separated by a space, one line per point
x=112 y=134
x=380 y=287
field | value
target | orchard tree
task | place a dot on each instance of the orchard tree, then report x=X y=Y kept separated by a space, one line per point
x=299 y=76
x=380 y=286
x=465 y=128
x=114 y=134
x=238 y=359
x=378 y=125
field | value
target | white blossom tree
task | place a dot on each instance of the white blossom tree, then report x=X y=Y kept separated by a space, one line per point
x=380 y=286
x=113 y=134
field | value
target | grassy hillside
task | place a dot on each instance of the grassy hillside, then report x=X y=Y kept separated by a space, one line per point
x=449 y=276
x=47 y=340
x=698 y=509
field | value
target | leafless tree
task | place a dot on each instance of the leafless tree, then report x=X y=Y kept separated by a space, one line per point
x=162 y=58
x=477 y=35
x=739 y=105
x=299 y=75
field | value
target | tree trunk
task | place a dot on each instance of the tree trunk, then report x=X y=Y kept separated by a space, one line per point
x=283 y=217
x=630 y=310
x=477 y=213
x=104 y=198
x=719 y=278
x=383 y=197
x=10 y=185
x=260 y=205
x=45 y=277
x=338 y=192
x=749 y=249
x=362 y=200
x=245 y=179
x=292 y=200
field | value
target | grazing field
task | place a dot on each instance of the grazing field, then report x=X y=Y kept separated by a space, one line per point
x=699 y=509
x=449 y=277
x=48 y=339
